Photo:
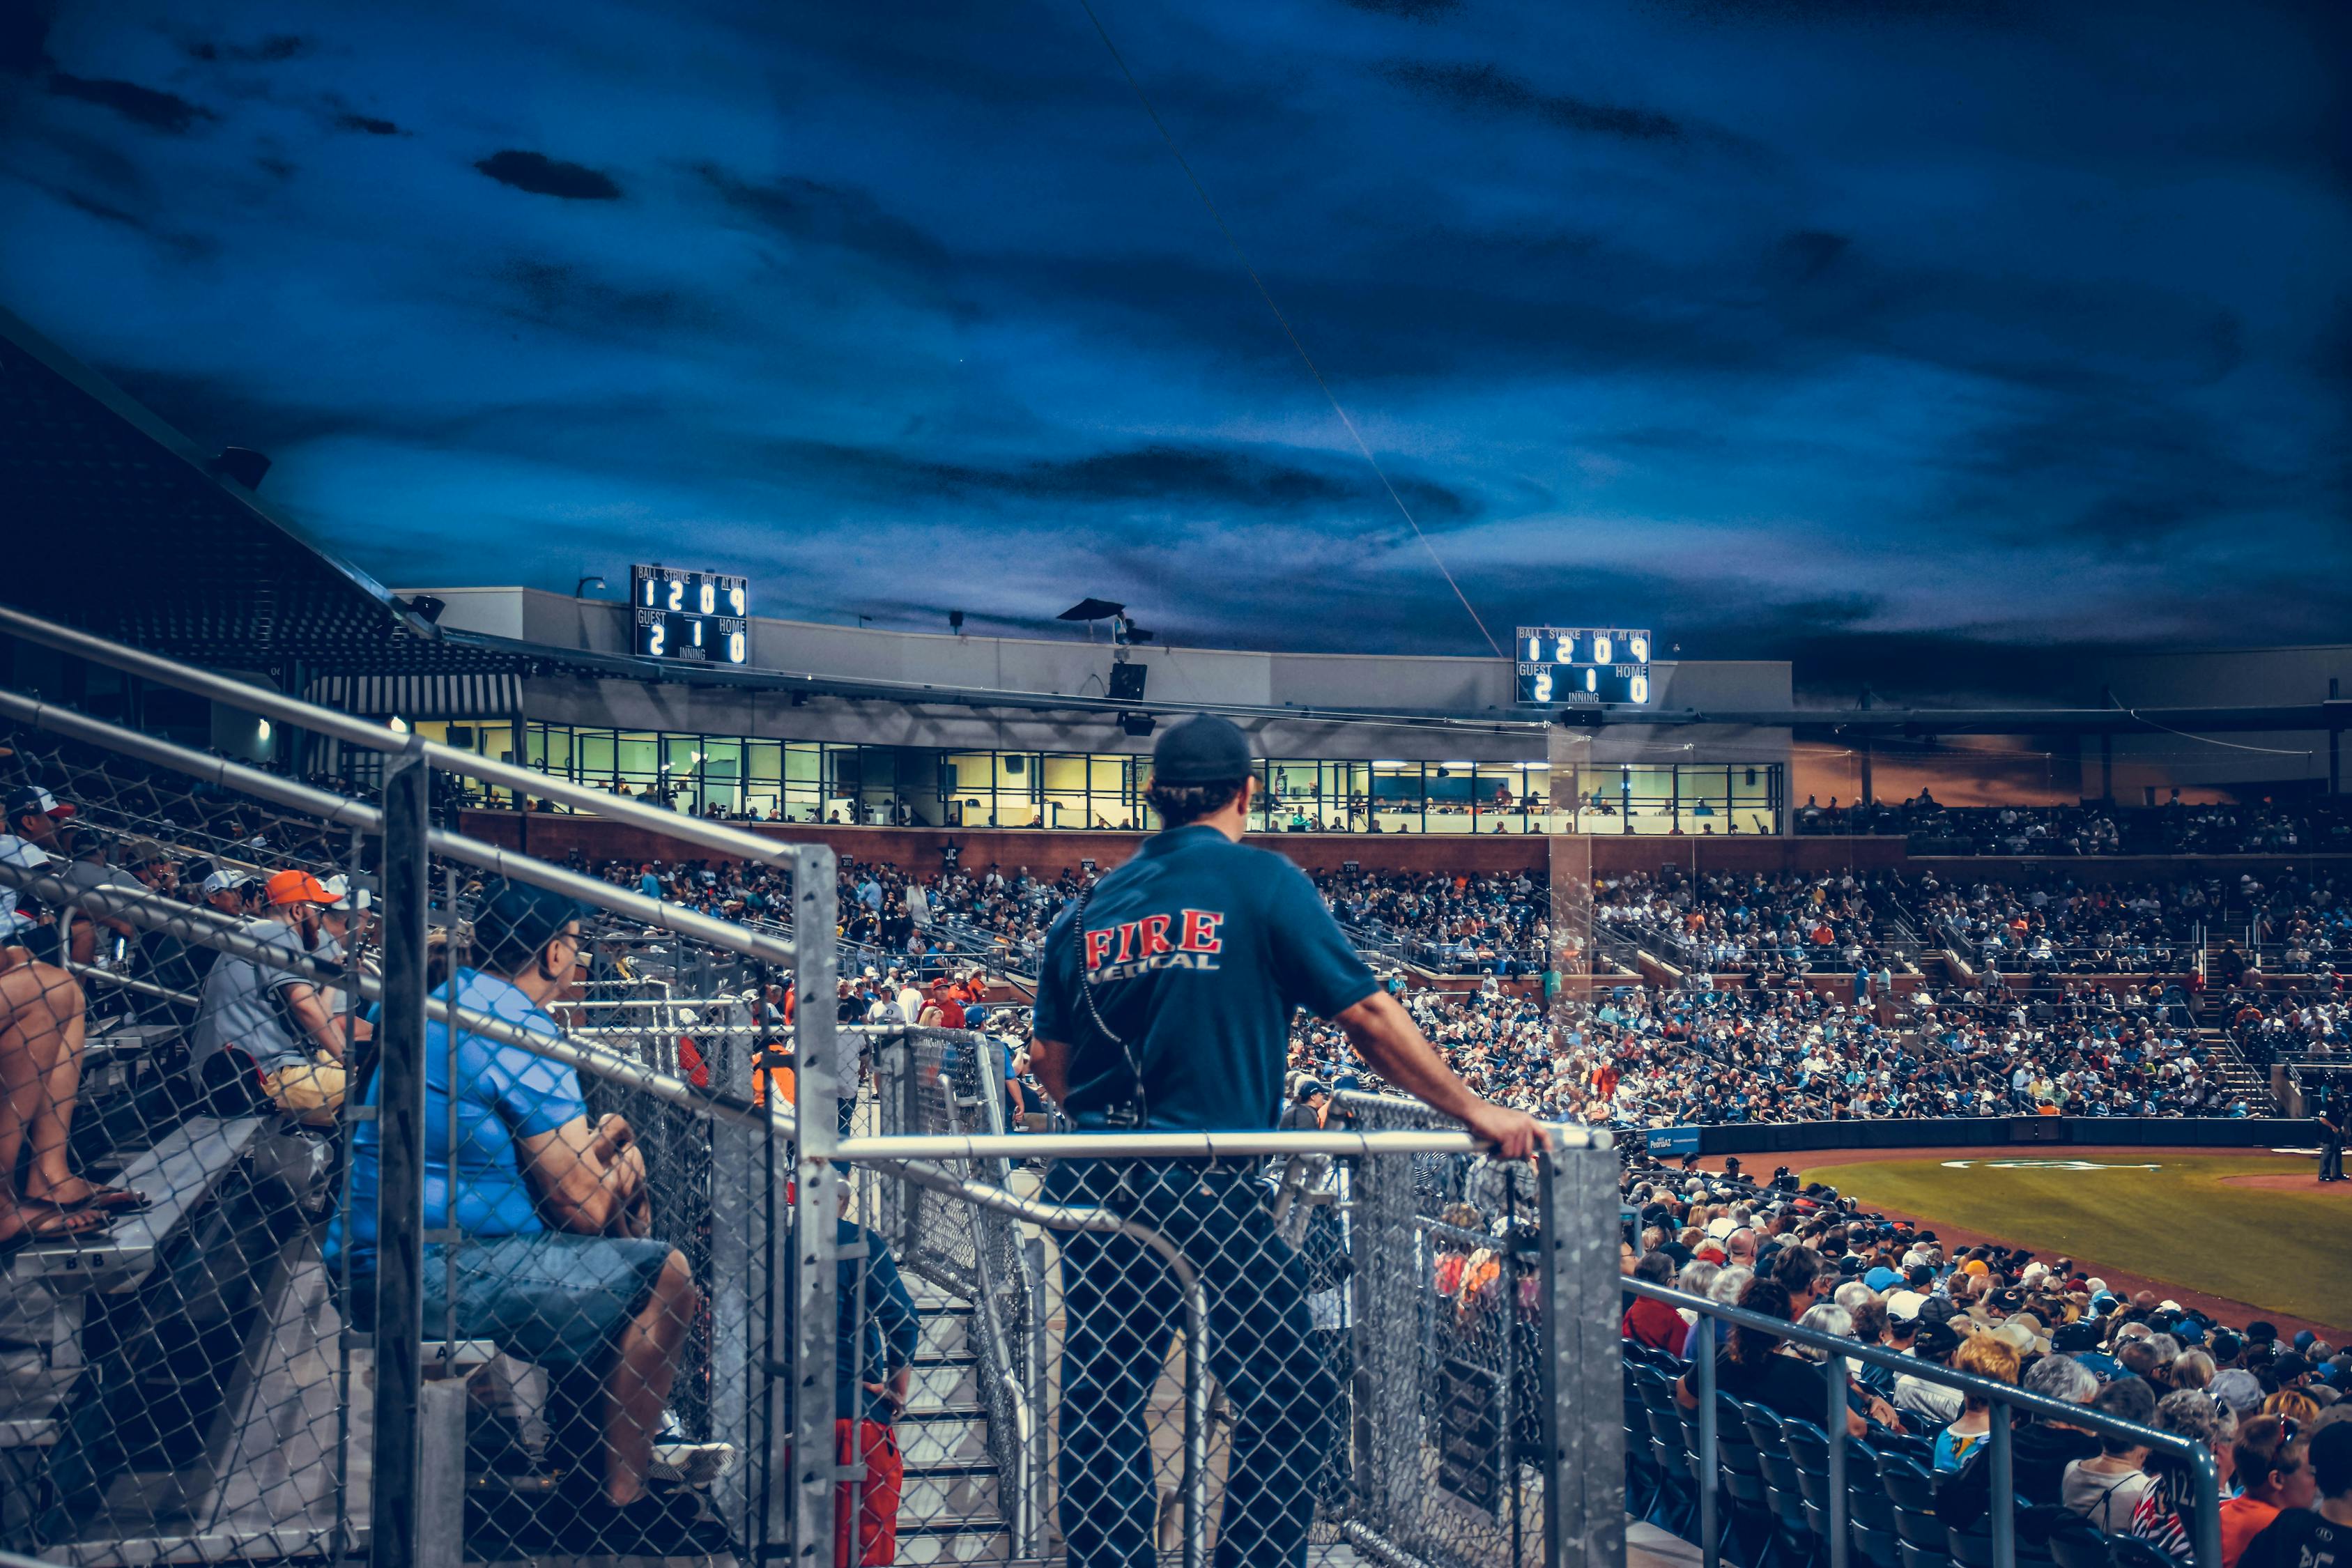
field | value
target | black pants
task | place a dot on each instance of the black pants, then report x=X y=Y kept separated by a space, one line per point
x=2331 y=1160
x=1124 y=1307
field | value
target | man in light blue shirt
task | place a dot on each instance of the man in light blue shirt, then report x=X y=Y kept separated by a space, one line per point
x=555 y=1265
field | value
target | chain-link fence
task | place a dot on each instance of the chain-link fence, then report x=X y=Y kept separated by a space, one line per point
x=1352 y=1345
x=371 y=1190
x=358 y=1198
x=181 y=962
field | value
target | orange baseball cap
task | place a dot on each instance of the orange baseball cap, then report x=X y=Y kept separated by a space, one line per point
x=297 y=888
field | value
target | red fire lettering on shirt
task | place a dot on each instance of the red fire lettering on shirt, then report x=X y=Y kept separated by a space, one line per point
x=1099 y=947
x=1155 y=936
x=1201 y=931
x=1126 y=941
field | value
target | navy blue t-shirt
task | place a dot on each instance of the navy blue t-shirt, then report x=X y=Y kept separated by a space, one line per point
x=1199 y=949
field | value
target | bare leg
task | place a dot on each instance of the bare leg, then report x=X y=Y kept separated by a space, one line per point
x=40 y=1022
x=52 y=1121
x=638 y=1385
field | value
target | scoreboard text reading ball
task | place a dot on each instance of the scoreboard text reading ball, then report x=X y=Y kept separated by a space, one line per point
x=1562 y=667
x=701 y=615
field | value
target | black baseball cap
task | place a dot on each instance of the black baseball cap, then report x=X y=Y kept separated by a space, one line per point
x=1202 y=750
x=515 y=921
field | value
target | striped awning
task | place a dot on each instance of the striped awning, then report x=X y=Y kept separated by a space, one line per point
x=480 y=695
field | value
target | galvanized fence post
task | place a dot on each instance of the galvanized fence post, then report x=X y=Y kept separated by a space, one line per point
x=814 y=1210
x=1584 y=1495
x=1833 y=1428
x=397 y=1455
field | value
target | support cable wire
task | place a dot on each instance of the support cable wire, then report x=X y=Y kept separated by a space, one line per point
x=1284 y=322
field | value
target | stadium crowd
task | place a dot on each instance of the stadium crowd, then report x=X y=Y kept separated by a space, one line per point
x=1652 y=1057
x=1753 y=923
x=2260 y=828
x=2271 y=1408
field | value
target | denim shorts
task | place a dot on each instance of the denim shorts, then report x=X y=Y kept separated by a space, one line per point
x=553 y=1299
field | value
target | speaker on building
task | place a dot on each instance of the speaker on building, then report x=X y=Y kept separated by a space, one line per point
x=1136 y=724
x=1127 y=681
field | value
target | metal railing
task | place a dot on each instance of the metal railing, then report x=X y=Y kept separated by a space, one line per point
x=1535 y=1370
x=2006 y=1401
x=1554 y=1493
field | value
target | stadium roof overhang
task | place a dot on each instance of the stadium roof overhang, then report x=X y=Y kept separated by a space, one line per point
x=122 y=526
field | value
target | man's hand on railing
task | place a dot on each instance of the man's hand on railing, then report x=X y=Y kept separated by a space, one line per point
x=1515 y=1134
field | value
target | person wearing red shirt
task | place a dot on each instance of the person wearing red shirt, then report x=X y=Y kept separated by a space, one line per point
x=1650 y=1322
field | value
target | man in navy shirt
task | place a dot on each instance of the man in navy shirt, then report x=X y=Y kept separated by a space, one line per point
x=1164 y=1004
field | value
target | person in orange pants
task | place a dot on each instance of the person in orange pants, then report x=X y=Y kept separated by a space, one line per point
x=869 y=1506
x=874 y=1366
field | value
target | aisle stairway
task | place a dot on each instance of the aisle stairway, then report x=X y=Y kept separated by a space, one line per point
x=952 y=1510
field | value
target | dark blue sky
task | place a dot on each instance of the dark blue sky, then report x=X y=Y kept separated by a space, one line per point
x=1892 y=334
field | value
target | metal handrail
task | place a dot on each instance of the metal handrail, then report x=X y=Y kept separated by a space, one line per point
x=2003 y=1397
x=359 y=732
x=346 y=813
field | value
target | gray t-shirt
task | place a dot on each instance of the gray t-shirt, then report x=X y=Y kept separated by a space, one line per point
x=242 y=1005
x=24 y=855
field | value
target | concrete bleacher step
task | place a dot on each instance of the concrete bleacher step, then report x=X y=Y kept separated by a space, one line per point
x=952 y=1543
x=963 y=1492
x=942 y=1437
x=946 y=1331
x=948 y=1384
x=178 y=1174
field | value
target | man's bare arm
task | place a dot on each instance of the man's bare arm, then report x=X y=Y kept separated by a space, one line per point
x=584 y=1183
x=1050 y=1061
x=1384 y=1034
x=326 y=1030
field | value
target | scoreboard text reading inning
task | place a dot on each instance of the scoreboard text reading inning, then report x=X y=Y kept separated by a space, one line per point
x=701 y=615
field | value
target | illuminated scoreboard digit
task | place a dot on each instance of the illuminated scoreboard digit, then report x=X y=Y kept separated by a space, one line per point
x=1571 y=666
x=703 y=617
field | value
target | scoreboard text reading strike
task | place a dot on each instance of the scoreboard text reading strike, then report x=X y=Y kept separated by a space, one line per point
x=699 y=616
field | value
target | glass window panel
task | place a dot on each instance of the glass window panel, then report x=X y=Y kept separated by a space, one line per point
x=802 y=760
x=595 y=754
x=766 y=761
x=1065 y=774
x=636 y=755
x=1396 y=797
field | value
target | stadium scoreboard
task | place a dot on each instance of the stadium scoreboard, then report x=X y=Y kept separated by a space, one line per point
x=703 y=617
x=1570 y=666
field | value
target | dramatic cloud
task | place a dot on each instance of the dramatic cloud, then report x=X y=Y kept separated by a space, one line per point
x=144 y=106
x=545 y=176
x=1487 y=87
x=1923 y=341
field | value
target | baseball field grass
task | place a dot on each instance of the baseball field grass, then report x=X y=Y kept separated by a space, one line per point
x=2286 y=1249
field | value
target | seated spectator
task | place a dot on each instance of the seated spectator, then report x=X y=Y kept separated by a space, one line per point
x=1930 y=1405
x=2165 y=1516
x=1754 y=1367
x=2319 y=1536
x=2040 y=1449
x=41 y=1028
x=1731 y=1283
x=2272 y=1473
x=1652 y=1322
x=1987 y=1356
x=556 y=1268
x=273 y=1022
x=2107 y=1489
x=42 y=1025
